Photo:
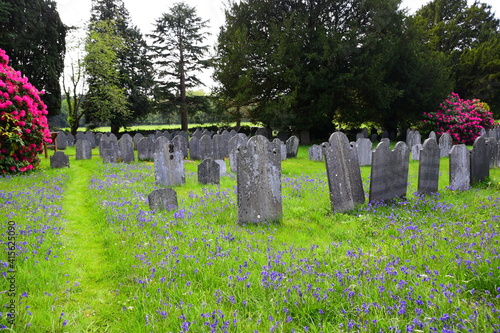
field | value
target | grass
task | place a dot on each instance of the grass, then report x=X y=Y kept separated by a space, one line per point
x=92 y=257
x=105 y=129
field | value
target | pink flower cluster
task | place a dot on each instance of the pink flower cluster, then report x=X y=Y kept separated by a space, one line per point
x=462 y=119
x=23 y=121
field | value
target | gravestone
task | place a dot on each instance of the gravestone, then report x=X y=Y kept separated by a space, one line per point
x=206 y=147
x=364 y=149
x=181 y=142
x=410 y=138
x=209 y=172
x=292 y=146
x=127 y=136
x=389 y=173
x=283 y=135
x=445 y=144
x=80 y=136
x=432 y=135
x=459 y=167
x=281 y=148
x=224 y=146
x=145 y=149
x=359 y=136
x=492 y=146
x=374 y=137
x=163 y=199
x=137 y=137
x=364 y=131
x=428 y=168
x=126 y=149
x=59 y=160
x=262 y=131
x=316 y=153
x=90 y=136
x=83 y=150
x=217 y=147
x=344 y=175
x=234 y=143
x=222 y=167
x=385 y=135
x=110 y=155
x=98 y=137
x=168 y=163
x=479 y=161
x=416 y=150
x=61 y=141
x=70 y=139
x=194 y=148
x=258 y=182
x=197 y=133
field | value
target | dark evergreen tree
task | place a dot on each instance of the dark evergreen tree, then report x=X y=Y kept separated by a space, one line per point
x=33 y=36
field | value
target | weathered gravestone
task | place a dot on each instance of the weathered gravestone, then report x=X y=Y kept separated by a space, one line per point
x=127 y=137
x=107 y=143
x=389 y=173
x=194 y=148
x=459 y=167
x=70 y=139
x=428 y=168
x=344 y=175
x=315 y=153
x=59 y=160
x=280 y=148
x=492 y=146
x=126 y=149
x=224 y=144
x=181 y=141
x=80 y=136
x=292 y=146
x=137 y=137
x=111 y=155
x=222 y=167
x=83 y=150
x=234 y=143
x=364 y=149
x=169 y=164
x=445 y=144
x=416 y=150
x=90 y=136
x=217 y=147
x=163 y=199
x=432 y=135
x=206 y=147
x=479 y=161
x=258 y=182
x=209 y=172
x=197 y=133
x=61 y=141
x=145 y=149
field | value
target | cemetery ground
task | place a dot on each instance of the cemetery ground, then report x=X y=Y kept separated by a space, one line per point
x=91 y=256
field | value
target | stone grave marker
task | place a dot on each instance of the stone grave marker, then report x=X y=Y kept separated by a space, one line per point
x=137 y=137
x=258 y=182
x=163 y=199
x=90 y=136
x=428 y=168
x=224 y=146
x=432 y=135
x=59 y=160
x=262 y=131
x=222 y=167
x=364 y=149
x=344 y=175
x=364 y=131
x=209 y=172
x=292 y=146
x=479 y=161
x=281 y=148
x=168 y=163
x=416 y=150
x=181 y=142
x=459 y=167
x=70 y=139
x=197 y=133
x=206 y=147
x=234 y=143
x=110 y=155
x=283 y=135
x=316 y=153
x=126 y=149
x=61 y=141
x=217 y=147
x=445 y=144
x=410 y=138
x=492 y=146
x=80 y=136
x=389 y=173
x=194 y=148
x=145 y=149
x=83 y=149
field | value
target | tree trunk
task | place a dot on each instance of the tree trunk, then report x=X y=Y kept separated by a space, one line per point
x=115 y=128
x=184 y=108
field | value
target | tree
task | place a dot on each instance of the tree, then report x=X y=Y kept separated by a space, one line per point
x=34 y=37
x=178 y=54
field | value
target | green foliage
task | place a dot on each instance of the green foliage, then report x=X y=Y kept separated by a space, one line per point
x=34 y=37
x=178 y=53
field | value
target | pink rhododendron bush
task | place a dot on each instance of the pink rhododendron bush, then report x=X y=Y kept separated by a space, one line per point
x=23 y=121
x=462 y=119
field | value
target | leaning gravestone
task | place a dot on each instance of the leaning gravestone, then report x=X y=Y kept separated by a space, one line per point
x=389 y=173
x=258 y=182
x=459 y=167
x=364 y=149
x=316 y=153
x=126 y=149
x=194 y=148
x=206 y=147
x=479 y=161
x=59 y=160
x=445 y=144
x=344 y=175
x=428 y=168
x=163 y=199
x=209 y=172
x=415 y=151
x=83 y=150
x=168 y=163
x=145 y=149
x=292 y=146
x=234 y=143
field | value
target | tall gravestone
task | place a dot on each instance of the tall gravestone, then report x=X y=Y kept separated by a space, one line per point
x=107 y=142
x=169 y=164
x=206 y=147
x=416 y=150
x=181 y=141
x=459 y=167
x=428 y=169
x=234 y=143
x=209 y=172
x=280 y=147
x=445 y=144
x=258 y=182
x=224 y=145
x=137 y=137
x=90 y=136
x=126 y=149
x=315 y=153
x=492 y=146
x=145 y=149
x=389 y=173
x=479 y=161
x=292 y=146
x=59 y=160
x=163 y=199
x=364 y=149
x=344 y=175
x=83 y=150
x=217 y=144
x=194 y=148
x=61 y=141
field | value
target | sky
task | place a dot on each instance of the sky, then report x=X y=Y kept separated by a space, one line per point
x=143 y=14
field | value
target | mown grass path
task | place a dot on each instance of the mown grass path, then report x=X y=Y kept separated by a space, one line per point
x=89 y=305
